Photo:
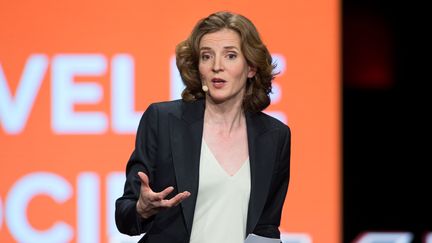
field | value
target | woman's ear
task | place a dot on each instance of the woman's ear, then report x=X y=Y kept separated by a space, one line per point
x=251 y=72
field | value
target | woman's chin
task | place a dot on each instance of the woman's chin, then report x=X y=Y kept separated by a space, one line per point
x=216 y=98
x=220 y=99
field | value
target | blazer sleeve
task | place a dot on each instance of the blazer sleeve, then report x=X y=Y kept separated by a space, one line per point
x=269 y=222
x=143 y=157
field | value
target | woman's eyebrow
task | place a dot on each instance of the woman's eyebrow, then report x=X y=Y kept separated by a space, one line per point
x=205 y=48
x=230 y=47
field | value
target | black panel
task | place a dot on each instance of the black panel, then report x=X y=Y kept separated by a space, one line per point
x=386 y=126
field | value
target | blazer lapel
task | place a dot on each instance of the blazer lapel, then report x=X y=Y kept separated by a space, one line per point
x=186 y=136
x=262 y=155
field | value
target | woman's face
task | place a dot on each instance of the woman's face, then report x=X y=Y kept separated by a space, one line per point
x=222 y=66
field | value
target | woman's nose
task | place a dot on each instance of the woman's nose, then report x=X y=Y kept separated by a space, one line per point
x=217 y=65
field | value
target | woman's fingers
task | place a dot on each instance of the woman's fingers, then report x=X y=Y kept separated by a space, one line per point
x=144 y=180
x=163 y=194
x=175 y=200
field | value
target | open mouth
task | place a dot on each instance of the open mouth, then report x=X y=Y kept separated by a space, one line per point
x=218 y=83
x=218 y=80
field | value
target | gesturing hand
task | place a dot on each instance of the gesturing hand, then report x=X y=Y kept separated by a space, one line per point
x=150 y=202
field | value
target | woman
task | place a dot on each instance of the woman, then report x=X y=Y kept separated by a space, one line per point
x=211 y=167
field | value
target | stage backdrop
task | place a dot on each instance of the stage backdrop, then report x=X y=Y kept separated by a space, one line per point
x=76 y=76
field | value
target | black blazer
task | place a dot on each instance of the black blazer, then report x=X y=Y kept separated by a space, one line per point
x=167 y=149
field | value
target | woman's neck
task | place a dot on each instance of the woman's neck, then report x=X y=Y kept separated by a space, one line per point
x=225 y=117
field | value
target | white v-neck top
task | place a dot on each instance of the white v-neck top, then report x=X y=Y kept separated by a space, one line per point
x=222 y=203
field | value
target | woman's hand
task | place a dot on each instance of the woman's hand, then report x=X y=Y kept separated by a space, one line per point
x=150 y=202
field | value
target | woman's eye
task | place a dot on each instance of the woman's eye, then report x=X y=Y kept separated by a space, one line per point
x=232 y=56
x=205 y=57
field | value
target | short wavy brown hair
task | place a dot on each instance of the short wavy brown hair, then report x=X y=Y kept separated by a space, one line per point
x=255 y=52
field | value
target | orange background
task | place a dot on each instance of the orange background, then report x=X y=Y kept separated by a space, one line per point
x=306 y=33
